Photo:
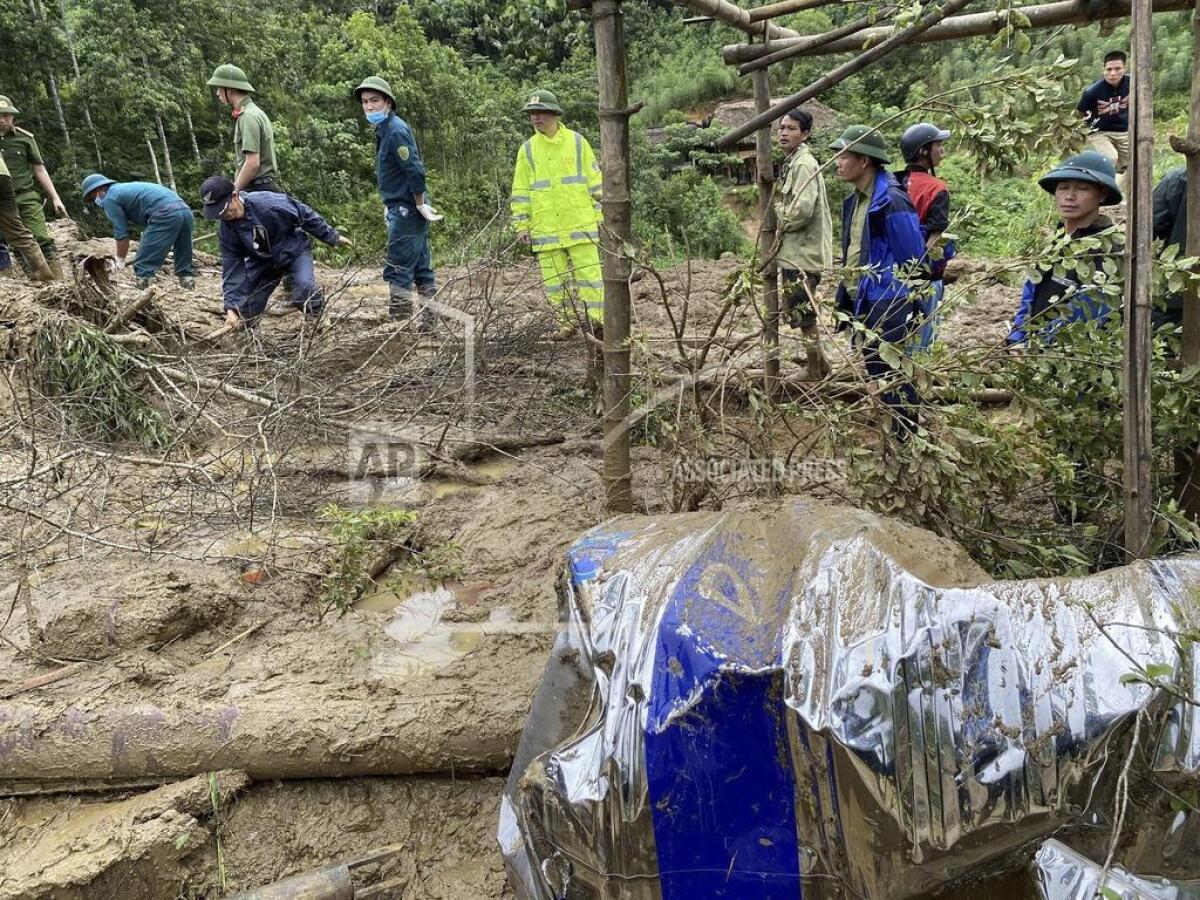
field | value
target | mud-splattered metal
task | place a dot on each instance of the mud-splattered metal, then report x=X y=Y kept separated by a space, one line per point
x=805 y=701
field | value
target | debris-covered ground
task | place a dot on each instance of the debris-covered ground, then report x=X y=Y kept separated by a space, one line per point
x=215 y=674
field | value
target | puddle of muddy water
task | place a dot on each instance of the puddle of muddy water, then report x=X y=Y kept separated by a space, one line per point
x=495 y=468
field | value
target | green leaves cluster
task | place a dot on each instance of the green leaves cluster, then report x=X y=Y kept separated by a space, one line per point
x=97 y=383
x=356 y=534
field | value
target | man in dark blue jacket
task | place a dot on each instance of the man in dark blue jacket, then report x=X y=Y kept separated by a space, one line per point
x=263 y=237
x=401 y=177
x=881 y=235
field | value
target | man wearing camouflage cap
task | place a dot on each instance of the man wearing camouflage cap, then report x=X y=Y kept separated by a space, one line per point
x=555 y=207
x=253 y=136
x=28 y=172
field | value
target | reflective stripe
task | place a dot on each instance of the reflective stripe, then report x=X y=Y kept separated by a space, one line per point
x=574 y=179
x=598 y=285
x=520 y=217
x=540 y=185
x=578 y=177
x=585 y=235
x=529 y=154
x=596 y=191
x=518 y=198
x=538 y=242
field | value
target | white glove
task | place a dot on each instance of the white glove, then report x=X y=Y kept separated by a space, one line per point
x=430 y=214
x=118 y=264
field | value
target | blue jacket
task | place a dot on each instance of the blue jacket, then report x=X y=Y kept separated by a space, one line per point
x=398 y=165
x=136 y=202
x=892 y=240
x=1046 y=290
x=265 y=241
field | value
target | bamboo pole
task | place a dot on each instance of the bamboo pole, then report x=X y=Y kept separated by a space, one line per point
x=765 y=176
x=1046 y=15
x=1190 y=352
x=733 y=15
x=841 y=73
x=771 y=10
x=1138 y=262
x=616 y=234
x=804 y=44
x=1187 y=459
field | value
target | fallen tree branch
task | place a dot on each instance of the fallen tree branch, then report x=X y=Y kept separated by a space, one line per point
x=203 y=381
x=39 y=681
x=144 y=299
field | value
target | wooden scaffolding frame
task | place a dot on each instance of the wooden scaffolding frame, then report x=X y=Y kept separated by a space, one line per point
x=873 y=41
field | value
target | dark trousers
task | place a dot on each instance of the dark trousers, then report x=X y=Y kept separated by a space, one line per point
x=408 y=259
x=797 y=291
x=889 y=321
x=304 y=292
x=267 y=184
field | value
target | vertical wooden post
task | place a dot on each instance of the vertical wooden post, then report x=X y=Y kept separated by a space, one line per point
x=1187 y=459
x=1190 y=354
x=766 y=233
x=1138 y=262
x=616 y=235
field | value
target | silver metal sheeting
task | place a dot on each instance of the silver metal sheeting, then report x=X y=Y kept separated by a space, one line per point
x=812 y=701
x=1063 y=874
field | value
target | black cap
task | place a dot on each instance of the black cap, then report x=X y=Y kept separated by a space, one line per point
x=215 y=192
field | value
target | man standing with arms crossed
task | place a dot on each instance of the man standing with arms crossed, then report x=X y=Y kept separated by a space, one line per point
x=555 y=207
x=1105 y=107
x=24 y=161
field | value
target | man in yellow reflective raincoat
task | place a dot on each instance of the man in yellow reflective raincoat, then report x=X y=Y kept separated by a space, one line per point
x=556 y=210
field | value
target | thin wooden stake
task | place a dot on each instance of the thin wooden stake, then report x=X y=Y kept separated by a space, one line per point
x=765 y=175
x=1138 y=262
x=616 y=236
x=1190 y=351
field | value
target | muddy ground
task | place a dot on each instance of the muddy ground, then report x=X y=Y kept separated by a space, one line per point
x=164 y=614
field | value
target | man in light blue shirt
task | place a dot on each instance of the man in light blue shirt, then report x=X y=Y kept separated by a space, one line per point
x=165 y=220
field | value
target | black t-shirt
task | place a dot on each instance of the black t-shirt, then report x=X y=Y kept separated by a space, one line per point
x=1106 y=107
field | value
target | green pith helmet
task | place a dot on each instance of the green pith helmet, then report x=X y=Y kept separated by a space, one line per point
x=6 y=106
x=863 y=140
x=230 y=76
x=543 y=101
x=1086 y=166
x=377 y=84
x=93 y=183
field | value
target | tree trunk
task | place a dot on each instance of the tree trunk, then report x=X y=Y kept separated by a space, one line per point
x=162 y=139
x=187 y=115
x=87 y=110
x=35 y=10
x=154 y=160
x=617 y=233
x=765 y=174
x=1187 y=459
x=310 y=737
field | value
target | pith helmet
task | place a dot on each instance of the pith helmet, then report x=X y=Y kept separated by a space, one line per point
x=917 y=137
x=863 y=140
x=543 y=101
x=6 y=106
x=93 y=183
x=1086 y=166
x=230 y=76
x=377 y=84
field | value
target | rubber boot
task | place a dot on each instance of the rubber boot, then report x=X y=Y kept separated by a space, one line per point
x=427 y=319
x=399 y=303
x=815 y=361
x=35 y=265
x=187 y=282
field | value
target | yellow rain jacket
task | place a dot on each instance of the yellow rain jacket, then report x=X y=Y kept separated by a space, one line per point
x=556 y=191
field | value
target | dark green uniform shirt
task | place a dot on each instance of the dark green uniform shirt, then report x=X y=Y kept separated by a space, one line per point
x=252 y=133
x=21 y=154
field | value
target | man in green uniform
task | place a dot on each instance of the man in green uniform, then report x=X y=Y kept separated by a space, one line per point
x=28 y=172
x=13 y=230
x=253 y=137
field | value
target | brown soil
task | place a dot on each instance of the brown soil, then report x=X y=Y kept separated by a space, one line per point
x=184 y=597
